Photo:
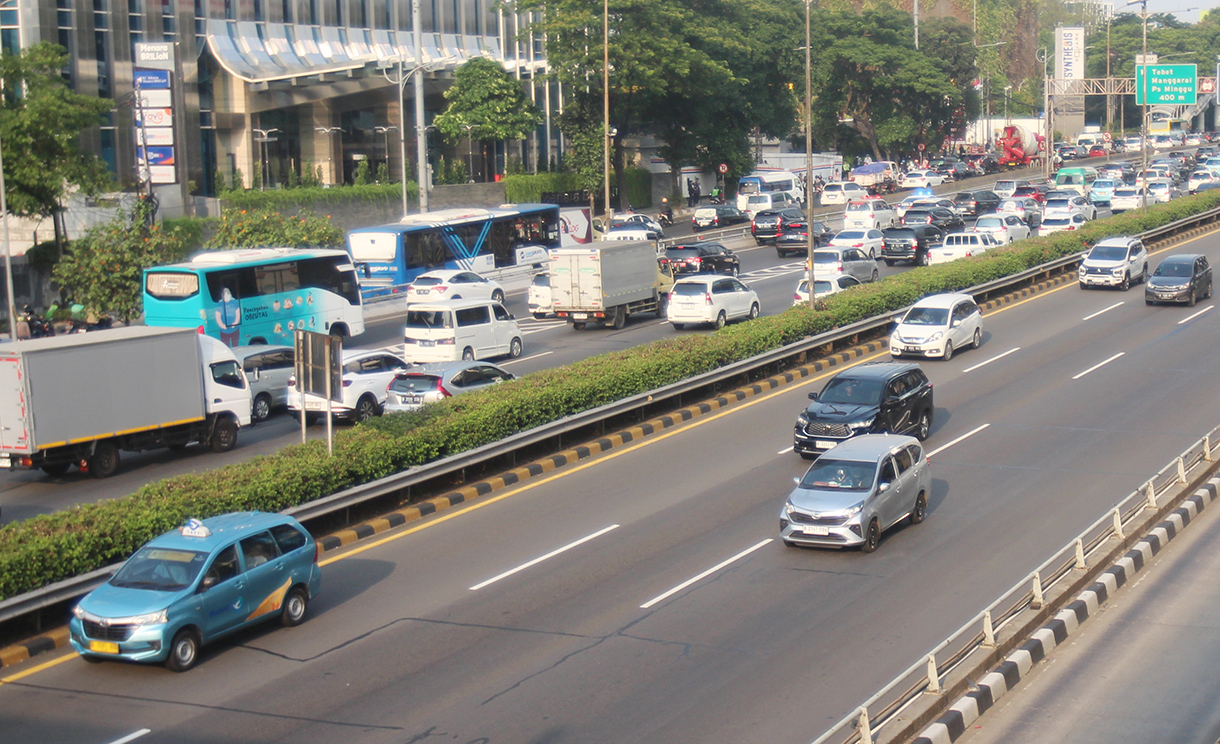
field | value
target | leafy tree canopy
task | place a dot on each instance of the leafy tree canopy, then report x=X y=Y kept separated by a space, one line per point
x=492 y=103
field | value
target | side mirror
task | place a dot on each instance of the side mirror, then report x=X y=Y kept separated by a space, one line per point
x=883 y=486
x=813 y=396
x=512 y=317
x=796 y=481
x=207 y=583
x=956 y=323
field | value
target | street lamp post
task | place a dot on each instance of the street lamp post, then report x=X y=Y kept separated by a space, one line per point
x=8 y=259
x=987 y=91
x=400 y=80
x=1144 y=110
x=329 y=131
x=264 y=136
x=386 y=131
x=1044 y=56
x=809 y=151
x=608 y=137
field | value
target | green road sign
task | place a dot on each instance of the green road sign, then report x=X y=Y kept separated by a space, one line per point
x=1165 y=84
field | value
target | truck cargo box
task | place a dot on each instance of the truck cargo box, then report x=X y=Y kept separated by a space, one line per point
x=603 y=275
x=63 y=389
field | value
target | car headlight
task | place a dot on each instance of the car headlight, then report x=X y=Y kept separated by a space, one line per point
x=802 y=420
x=862 y=424
x=789 y=509
x=152 y=618
x=936 y=336
x=78 y=612
x=1117 y=272
x=852 y=511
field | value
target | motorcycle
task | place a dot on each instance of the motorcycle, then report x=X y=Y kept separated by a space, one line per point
x=39 y=327
x=666 y=218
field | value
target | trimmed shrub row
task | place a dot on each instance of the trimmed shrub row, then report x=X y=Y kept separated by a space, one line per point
x=57 y=546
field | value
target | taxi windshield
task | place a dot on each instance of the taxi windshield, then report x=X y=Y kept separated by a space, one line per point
x=160 y=569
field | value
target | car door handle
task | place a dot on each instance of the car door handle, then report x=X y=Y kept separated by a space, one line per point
x=215 y=400
x=240 y=585
x=279 y=567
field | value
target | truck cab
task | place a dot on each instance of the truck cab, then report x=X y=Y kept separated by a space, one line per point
x=224 y=387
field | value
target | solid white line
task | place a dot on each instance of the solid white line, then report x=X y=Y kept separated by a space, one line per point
x=1189 y=318
x=525 y=359
x=989 y=361
x=1099 y=312
x=132 y=736
x=1098 y=366
x=536 y=561
x=703 y=575
x=944 y=447
x=786 y=451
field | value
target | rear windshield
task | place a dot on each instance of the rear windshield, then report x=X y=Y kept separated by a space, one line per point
x=681 y=252
x=542 y=280
x=415 y=383
x=428 y=319
x=859 y=207
x=1057 y=221
x=690 y=289
x=1004 y=185
x=760 y=199
x=426 y=281
x=825 y=257
x=850 y=235
x=709 y=212
x=990 y=222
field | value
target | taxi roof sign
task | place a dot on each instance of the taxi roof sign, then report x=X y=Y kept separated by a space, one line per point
x=195 y=528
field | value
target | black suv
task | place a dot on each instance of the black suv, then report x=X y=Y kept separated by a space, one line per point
x=769 y=224
x=869 y=399
x=701 y=258
x=795 y=238
x=975 y=203
x=911 y=243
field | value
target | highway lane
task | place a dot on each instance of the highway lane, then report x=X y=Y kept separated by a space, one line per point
x=771 y=644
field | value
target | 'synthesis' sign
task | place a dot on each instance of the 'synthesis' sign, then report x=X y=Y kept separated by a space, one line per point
x=1173 y=85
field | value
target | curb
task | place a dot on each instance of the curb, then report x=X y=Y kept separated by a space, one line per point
x=950 y=726
x=39 y=644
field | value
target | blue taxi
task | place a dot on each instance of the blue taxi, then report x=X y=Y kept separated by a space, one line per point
x=196 y=584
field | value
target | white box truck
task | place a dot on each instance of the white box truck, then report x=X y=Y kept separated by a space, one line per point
x=80 y=399
x=608 y=282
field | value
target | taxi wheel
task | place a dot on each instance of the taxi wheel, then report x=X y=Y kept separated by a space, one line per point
x=872 y=537
x=183 y=651
x=293 y=612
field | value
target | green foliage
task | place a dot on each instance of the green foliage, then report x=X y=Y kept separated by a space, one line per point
x=103 y=268
x=316 y=197
x=43 y=257
x=188 y=231
x=239 y=179
x=219 y=178
x=240 y=228
x=529 y=189
x=639 y=187
x=294 y=180
x=486 y=103
x=383 y=173
x=53 y=547
x=364 y=174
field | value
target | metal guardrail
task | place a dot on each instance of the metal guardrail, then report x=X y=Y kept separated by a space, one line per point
x=399 y=482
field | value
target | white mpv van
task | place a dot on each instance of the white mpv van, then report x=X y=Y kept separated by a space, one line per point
x=961 y=245
x=459 y=329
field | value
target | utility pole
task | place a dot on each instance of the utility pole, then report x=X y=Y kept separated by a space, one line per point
x=809 y=148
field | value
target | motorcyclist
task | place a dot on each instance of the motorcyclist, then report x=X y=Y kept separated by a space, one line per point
x=666 y=215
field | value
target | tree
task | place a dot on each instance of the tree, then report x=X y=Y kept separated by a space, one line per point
x=103 y=269
x=486 y=104
x=240 y=228
x=40 y=124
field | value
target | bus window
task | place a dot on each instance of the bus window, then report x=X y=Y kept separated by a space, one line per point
x=324 y=273
x=172 y=286
x=239 y=282
x=426 y=250
x=277 y=278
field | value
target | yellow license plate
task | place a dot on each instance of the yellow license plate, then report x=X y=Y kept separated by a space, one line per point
x=103 y=647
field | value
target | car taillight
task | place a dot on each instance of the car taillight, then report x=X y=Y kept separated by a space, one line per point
x=347 y=383
x=1070 y=227
x=441 y=288
x=446 y=341
x=200 y=331
x=857 y=245
x=796 y=296
x=707 y=298
x=840 y=266
x=317 y=551
x=444 y=393
x=292 y=381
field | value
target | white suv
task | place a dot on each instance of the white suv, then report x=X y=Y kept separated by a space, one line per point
x=1114 y=262
x=365 y=377
x=869 y=214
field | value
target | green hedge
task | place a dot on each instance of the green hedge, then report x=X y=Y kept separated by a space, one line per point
x=529 y=188
x=57 y=546
x=316 y=198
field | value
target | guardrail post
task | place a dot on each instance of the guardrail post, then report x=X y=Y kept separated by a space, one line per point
x=1080 y=564
x=1037 y=601
x=1181 y=469
x=933 y=676
x=1151 y=490
x=1207 y=447
x=866 y=730
x=1118 y=525
x=988 y=630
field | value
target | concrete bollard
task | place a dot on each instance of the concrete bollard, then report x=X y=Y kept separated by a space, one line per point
x=1037 y=601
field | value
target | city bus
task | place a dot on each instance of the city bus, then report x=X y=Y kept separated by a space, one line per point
x=389 y=257
x=257 y=296
x=768 y=182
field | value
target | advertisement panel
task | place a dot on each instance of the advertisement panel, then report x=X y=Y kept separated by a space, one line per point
x=1069 y=53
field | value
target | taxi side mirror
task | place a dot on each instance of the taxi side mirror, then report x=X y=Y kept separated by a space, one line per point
x=207 y=583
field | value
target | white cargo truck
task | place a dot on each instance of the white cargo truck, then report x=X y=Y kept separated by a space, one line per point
x=607 y=282
x=80 y=399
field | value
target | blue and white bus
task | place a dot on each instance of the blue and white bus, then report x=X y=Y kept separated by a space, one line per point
x=769 y=182
x=389 y=257
x=257 y=296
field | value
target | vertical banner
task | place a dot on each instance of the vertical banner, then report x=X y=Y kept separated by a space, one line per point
x=152 y=83
x=1069 y=53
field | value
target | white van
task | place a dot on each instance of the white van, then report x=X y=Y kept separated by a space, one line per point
x=459 y=329
x=755 y=203
x=961 y=245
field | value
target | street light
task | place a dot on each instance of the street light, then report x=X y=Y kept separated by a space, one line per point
x=421 y=149
x=329 y=131
x=1144 y=113
x=809 y=149
x=606 y=131
x=1044 y=57
x=386 y=131
x=987 y=90
x=264 y=136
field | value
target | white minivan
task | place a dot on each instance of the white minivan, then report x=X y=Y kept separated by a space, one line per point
x=961 y=245
x=459 y=329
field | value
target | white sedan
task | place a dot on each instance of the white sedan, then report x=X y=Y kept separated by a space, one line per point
x=918 y=179
x=869 y=241
x=1006 y=228
x=710 y=299
x=451 y=284
x=823 y=287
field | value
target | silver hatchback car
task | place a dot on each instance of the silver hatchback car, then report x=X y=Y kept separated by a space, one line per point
x=856 y=491
x=428 y=383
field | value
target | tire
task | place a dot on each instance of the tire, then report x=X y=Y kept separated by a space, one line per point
x=1083 y=286
x=468 y=354
x=514 y=348
x=497 y=296
x=735 y=271
x=889 y=262
x=663 y=306
x=919 y=511
x=923 y=428
x=183 y=651
x=872 y=254
x=56 y=469
x=978 y=338
x=311 y=417
x=620 y=318
x=948 y=351
x=872 y=536
x=1194 y=298
x=1126 y=282
x=224 y=435
x=292 y=612
x=780 y=254
x=366 y=408
x=754 y=311
x=104 y=461
x=923 y=259
x=578 y=326
x=261 y=408
x=721 y=321
x=1144 y=275
x=876 y=276
x=678 y=326
x=539 y=316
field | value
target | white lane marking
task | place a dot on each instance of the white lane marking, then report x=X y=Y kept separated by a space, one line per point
x=540 y=559
x=704 y=575
x=1189 y=318
x=132 y=736
x=525 y=359
x=786 y=451
x=1098 y=366
x=1013 y=350
x=536 y=329
x=944 y=447
x=1099 y=312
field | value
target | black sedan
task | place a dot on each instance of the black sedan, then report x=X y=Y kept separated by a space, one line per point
x=910 y=243
x=795 y=239
x=701 y=258
x=769 y=224
x=975 y=203
x=945 y=219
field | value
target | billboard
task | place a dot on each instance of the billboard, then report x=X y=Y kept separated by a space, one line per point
x=1069 y=53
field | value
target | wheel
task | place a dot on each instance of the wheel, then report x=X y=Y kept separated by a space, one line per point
x=578 y=326
x=262 y=407
x=292 y=613
x=923 y=429
x=875 y=276
x=735 y=271
x=104 y=461
x=1083 y=285
x=662 y=306
x=754 y=311
x=978 y=338
x=497 y=296
x=311 y=417
x=366 y=408
x=1144 y=274
x=539 y=316
x=721 y=320
x=183 y=651
x=872 y=254
x=780 y=253
x=923 y=259
x=56 y=469
x=948 y=351
x=1194 y=298
x=224 y=435
x=468 y=354
x=872 y=536
x=889 y=262
x=1126 y=282
x=920 y=511
x=514 y=349
x=620 y=318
